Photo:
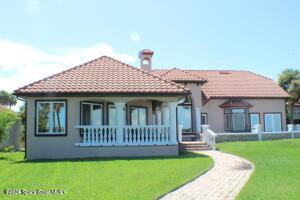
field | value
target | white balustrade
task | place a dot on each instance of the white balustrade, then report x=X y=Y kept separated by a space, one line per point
x=209 y=137
x=97 y=135
x=146 y=135
x=130 y=135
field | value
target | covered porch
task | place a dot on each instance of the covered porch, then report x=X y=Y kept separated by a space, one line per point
x=127 y=121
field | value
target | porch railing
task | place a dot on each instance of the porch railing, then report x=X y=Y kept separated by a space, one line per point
x=146 y=135
x=209 y=137
x=131 y=135
x=97 y=135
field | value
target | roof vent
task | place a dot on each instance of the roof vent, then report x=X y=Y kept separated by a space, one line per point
x=224 y=72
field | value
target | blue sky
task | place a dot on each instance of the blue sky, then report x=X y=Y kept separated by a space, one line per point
x=39 y=38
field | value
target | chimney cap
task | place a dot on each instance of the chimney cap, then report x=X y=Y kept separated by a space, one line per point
x=146 y=52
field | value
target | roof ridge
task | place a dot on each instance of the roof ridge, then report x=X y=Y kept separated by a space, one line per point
x=204 y=79
x=59 y=73
x=183 y=71
x=150 y=74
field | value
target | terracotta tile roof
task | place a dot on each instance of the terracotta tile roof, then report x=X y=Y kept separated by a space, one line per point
x=234 y=84
x=178 y=75
x=104 y=75
x=237 y=83
x=235 y=103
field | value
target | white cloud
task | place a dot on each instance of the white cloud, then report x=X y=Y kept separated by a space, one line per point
x=21 y=64
x=33 y=6
x=135 y=37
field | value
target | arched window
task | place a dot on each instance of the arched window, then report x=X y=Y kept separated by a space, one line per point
x=184 y=114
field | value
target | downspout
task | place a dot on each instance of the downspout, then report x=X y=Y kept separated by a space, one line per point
x=25 y=125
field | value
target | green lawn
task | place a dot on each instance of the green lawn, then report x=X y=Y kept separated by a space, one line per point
x=277 y=168
x=132 y=178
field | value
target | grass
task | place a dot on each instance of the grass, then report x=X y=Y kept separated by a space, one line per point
x=277 y=168
x=118 y=178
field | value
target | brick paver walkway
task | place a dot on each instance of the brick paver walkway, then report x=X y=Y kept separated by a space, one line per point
x=223 y=182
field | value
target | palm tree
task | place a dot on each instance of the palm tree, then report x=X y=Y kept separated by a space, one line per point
x=289 y=80
x=7 y=99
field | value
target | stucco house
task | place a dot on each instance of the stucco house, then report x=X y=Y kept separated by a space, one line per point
x=108 y=108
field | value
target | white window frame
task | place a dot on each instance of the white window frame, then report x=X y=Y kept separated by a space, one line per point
x=139 y=107
x=91 y=110
x=205 y=117
x=228 y=112
x=50 y=118
x=273 y=113
x=251 y=123
x=296 y=112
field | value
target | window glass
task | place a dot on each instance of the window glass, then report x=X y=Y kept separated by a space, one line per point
x=43 y=113
x=184 y=117
x=59 y=117
x=138 y=116
x=111 y=115
x=238 y=110
x=204 y=119
x=238 y=122
x=254 y=119
x=91 y=114
x=51 y=117
x=296 y=112
x=272 y=122
x=227 y=122
x=97 y=115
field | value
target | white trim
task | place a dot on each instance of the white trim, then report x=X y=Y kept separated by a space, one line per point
x=91 y=111
x=50 y=132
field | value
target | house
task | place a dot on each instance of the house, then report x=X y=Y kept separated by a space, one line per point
x=296 y=113
x=108 y=108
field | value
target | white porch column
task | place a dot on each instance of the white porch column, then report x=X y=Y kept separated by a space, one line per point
x=198 y=121
x=165 y=115
x=172 y=122
x=120 y=109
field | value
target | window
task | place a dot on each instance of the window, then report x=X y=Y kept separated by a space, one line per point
x=91 y=113
x=204 y=119
x=184 y=114
x=238 y=119
x=235 y=119
x=51 y=118
x=272 y=122
x=296 y=111
x=138 y=115
x=254 y=119
x=112 y=115
x=227 y=122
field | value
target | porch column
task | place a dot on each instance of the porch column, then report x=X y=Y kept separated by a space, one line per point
x=165 y=115
x=198 y=122
x=120 y=109
x=172 y=122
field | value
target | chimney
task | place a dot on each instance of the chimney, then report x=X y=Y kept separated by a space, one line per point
x=145 y=57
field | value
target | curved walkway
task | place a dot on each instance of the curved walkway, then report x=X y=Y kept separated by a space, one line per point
x=224 y=181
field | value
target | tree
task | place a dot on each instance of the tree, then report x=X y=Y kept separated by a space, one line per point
x=294 y=92
x=7 y=99
x=289 y=80
x=287 y=76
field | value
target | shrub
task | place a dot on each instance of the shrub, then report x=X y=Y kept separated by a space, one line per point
x=7 y=119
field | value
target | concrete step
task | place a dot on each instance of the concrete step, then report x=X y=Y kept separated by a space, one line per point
x=193 y=146
x=193 y=149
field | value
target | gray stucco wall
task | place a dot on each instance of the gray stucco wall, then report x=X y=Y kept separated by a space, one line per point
x=216 y=114
x=261 y=106
x=52 y=147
